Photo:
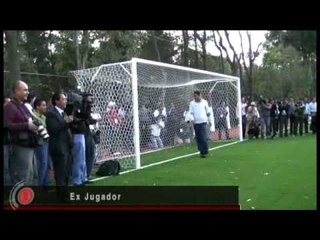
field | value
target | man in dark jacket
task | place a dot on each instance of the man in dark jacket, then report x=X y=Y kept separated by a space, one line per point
x=283 y=117
x=60 y=142
x=22 y=132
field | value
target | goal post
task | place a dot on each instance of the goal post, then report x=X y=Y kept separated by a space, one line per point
x=144 y=106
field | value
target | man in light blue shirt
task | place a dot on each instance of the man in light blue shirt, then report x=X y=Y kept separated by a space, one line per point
x=199 y=109
x=313 y=114
x=306 y=114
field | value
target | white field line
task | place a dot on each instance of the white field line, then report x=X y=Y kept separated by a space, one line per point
x=165 y=161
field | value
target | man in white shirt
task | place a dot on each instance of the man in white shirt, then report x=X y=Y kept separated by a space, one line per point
x=199 y=109
x=306 y=114
x=313 y=114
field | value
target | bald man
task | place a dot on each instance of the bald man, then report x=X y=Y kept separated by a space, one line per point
x=21 y=129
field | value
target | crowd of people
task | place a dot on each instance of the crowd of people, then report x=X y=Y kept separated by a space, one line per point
x=268 y=118
x=41 y=139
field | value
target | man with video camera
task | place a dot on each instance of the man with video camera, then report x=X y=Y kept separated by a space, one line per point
x=91 y=137
x=80 y=107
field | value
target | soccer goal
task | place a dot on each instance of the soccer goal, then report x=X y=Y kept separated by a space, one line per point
x=144 y=106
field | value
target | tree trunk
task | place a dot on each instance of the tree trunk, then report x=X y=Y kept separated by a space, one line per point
x=221 y=55
x=233 y=63
x=185 y=47
x=196 y=49
x=13 y=57
x=164 y=74
x=85 y=46
x=204 y=50
x=78 y=57
x=155 y=43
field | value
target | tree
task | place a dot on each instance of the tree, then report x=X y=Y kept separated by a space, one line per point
x=196 y=54
x=305 y=44
x=234 y=64
x=283 y=74
x=249 y=68
x=13 y=57
x=77 y=48
x=185 y=48
x=158 y=45
x=203 y=41
x=220 y=50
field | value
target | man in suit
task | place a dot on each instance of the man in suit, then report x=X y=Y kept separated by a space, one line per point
x=60 y=142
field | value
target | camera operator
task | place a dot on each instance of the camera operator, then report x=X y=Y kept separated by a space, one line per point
x=76 y=108
x=89 y=134
x=42 y=151
x=22 y=142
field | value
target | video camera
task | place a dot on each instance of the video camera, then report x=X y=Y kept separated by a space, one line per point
x=75 y=102
x=80 y=105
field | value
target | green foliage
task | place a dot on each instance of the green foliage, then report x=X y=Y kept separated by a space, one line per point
x=283 y=74
x=166 y=46
x=118 y=46
x=289 y=64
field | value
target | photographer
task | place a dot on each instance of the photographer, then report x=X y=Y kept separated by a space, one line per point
x=22 y=142
x=283 y=107
x=300 y=108
x=42 y=151
x=264 y=108
x=293 y=117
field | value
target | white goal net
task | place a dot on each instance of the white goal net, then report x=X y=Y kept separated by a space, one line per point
x=144 y=106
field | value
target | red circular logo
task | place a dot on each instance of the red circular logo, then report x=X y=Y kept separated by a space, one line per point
x=25 y=196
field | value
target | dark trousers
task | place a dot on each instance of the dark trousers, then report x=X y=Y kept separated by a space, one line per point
x=313 y=124
x=222 y=126
x=299 y=122
x=201 y=137
x=293 y=124
x=244 y=125
x=62 y=165
x=90 y=152
x=305 y=122
x=283 y=124
x=275 y=125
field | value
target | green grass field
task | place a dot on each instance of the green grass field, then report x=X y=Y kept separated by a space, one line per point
x=277 y=174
